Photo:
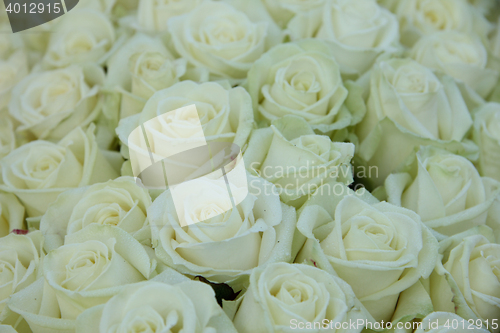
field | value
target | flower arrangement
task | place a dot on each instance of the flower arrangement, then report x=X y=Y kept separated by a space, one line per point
x=368 y=134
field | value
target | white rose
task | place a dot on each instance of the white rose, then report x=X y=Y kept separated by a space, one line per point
x=220 y=39
x=409 y=106
x=444 y=322
x=12 y=70
x=380 y=249
x=188 y=306
x=93 y=266
x=11 y=214
x=82 y=36
x=120 y=202
x=290 y=155
x=444 y=189
x=210 y=243
x=7 y=135
x=138 y=69
x=20 y=262
x=459 y=55
x=39 y=171
x=283 y=297
x=225 y=115
x=487 y=136
x=303 y=79
x=358 y=31
x=419 y=18
x=153 y=15
x=50 y=104
x=468 y=283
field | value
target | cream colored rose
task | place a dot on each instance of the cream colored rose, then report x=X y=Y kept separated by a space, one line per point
x=220 y=39
x=210 y=243
x=357 y=30
x=39 y=171
x=120 y=202
x=20 y=264
x=444 y=189
x=444 y=322
x=137 y=70
x=7 y=135
x=11 y=214
x=285 y=297
x=409 y=106
x=459 y=55
x=487 y=136
x=153 y=15
x=91 y=267
x=379 y=249
x=225 y=115
x=468 y=281
x=12 y=70
x=49 y=105
x=419 y=18
x=303 y=79
x=158 y=307
x=290 y=155
x=82 y=36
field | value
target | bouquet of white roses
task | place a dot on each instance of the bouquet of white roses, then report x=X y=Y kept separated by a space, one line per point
x=258 y=166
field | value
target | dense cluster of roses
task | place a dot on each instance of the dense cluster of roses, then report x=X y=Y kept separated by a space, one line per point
x=370 y=132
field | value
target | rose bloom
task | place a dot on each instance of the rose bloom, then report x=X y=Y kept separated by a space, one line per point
x=137 y=70
x=119 y=202
x=50 y=104
x=445 y=190
x=92 y=266
x=224 y=113
x=39 y=171
x=81 y=36
x=151 y=306
x=221 y=40
x=358 y=31
x=379 y=249
x=282 y=294
x=459 y=55
x=419 y=18
x=20 y=262
x=408 y=105
x=468 y=282
x=303 y=79
x=204 y=234
x=290 y=155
